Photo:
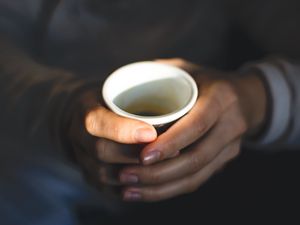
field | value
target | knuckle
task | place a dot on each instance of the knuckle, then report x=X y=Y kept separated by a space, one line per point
x=150 y=176
x=200 y=125
x=226 y=86
x=196 y=162
x=154 y=177
x=216 y=105
x=227 y=90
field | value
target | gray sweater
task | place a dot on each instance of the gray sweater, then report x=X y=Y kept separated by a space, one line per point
x=51 y=50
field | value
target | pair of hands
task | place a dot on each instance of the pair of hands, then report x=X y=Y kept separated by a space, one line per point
x=121 y=152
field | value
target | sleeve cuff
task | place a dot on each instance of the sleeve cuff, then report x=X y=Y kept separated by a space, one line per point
x=280 y=102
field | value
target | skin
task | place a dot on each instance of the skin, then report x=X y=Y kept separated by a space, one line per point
x=116 y=151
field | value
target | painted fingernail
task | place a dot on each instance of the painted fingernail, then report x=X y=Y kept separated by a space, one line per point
x=129 y=178
x=145 y=135
x=151 y=157
x=132 y=196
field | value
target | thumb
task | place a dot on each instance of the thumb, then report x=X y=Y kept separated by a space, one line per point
x=101 y=122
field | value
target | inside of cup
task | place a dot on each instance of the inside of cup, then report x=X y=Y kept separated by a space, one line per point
x=148 y=89
x=155 y=98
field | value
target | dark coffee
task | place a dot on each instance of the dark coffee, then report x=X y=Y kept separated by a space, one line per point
x=144 y=113
x=149 y=99
x=147 y=109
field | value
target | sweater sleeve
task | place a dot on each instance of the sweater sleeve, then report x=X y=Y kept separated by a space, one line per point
x=274 y=26
x=282 y=82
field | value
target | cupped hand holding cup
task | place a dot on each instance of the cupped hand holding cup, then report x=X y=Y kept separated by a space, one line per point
x=143 y=99
x=205 y=131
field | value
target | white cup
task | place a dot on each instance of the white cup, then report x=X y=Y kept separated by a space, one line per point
x=155 y=93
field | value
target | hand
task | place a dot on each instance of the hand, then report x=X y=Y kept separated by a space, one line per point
x=208 y=137
x=103 y=141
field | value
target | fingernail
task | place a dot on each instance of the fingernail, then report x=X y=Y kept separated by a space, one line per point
x=129 y=178
x=151 y=157
x=132 y=196
x=145 y=135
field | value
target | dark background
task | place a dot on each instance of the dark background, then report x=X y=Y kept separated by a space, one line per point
x=256 y=188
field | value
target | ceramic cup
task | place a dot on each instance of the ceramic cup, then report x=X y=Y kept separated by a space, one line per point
x=152 y=92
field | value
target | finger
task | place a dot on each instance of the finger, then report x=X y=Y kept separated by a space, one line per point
x=98 y=174
x=101 y=122
x=186 y=131
x=108 y=151
x=185 y=185
x=112 y=152
x=192 y=161
x=183 y=64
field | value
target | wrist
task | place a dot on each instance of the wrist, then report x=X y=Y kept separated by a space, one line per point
x=252 y=96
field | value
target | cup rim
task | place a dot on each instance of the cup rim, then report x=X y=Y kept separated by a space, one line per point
x=153 y=120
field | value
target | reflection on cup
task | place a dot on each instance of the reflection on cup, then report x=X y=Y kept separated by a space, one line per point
x=152 y=92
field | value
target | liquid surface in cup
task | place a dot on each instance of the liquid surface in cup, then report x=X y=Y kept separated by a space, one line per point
x=155 y=98
x=149 y=105
x=147 y=109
